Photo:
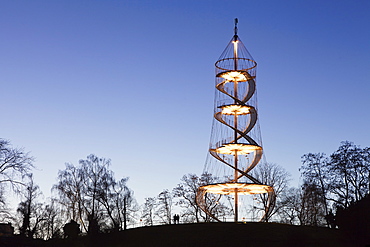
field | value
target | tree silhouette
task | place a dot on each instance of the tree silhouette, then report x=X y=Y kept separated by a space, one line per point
x=92 y=197
x=164 y=207
x=349 y=169
x=339 y=180
x=15 y=164
x=316 y=174
x=276 y=176
x=30 y=209
x=148 y=214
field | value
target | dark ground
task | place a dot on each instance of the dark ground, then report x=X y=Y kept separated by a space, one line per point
x=232 y=234
x=208 y=234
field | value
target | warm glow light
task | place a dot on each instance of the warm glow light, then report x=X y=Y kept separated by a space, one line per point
x=235 y=49
x=240 y=188
x=235 y=109
x=233 y=76
x=238 y=148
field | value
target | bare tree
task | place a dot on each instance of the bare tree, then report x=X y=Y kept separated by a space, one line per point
x=15 y=164
x=30 y=209
x=315 y=172
x=276 y=176
x=119 y=203
x=312 y=206
x=126 y=204
x=148 y=214
x=95 y=173
x=304 y=206
x=349 y=169
x=337 y=181
x=92 y=197
x=164 y=207
x=185 y=194
x=214 y=205
x=70 y=188
x=343 y=178
x=53 y=221
x=291 y=206
x=5 y=212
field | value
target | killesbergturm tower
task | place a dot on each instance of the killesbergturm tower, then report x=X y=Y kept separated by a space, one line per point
x=236 y=144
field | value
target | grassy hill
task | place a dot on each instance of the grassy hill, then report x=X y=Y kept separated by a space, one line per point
x=215 y=234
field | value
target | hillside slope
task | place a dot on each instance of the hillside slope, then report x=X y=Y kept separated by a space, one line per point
x=217 y=234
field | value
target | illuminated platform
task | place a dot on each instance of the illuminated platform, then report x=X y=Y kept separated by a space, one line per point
x=237 y=148
x=233 y=75
x=240 y=188
x=236 y=109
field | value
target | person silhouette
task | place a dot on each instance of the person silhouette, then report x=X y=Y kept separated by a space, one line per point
x=176 y=219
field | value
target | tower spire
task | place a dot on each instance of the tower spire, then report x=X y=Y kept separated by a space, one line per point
x=236 y=29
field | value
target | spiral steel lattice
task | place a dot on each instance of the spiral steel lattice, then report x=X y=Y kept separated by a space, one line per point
x=236 y=145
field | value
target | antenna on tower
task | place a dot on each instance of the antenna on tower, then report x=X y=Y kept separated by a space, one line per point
x=236 y=29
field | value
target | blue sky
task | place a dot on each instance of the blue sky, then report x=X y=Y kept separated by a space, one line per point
x=133 y=81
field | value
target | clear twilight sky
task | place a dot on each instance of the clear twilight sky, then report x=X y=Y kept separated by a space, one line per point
x=133 y=81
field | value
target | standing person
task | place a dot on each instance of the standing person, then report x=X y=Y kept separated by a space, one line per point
x=174 y=219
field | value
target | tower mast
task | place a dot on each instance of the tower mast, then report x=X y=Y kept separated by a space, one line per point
x=236 y=199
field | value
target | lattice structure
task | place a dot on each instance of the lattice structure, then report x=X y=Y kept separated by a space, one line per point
x=236 y=145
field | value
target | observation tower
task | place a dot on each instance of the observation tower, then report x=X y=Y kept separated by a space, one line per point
x=236 y=144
